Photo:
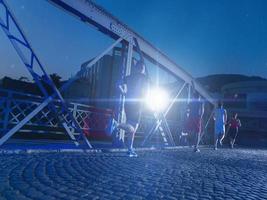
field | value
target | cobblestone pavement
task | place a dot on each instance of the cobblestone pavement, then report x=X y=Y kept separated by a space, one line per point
x=167 y=174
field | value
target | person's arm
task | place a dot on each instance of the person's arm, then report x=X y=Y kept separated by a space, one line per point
x=123 y=87
x=230 y=122
x=225 y=117
x=239 y=123
x=202 y=110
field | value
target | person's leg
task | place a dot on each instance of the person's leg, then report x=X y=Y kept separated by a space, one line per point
x=236 y=132
x=131 y=135
x=198 y=133
x=231 y=142
x=216 y=135
x=191 y=139
x=191 y=132
x=231 y=137
x=112 y=125
x=126 y=127
x=216 y=140
x=197 y=140
x=130 y=132
x=222 y=134
x=221 y=138
x=133 y=115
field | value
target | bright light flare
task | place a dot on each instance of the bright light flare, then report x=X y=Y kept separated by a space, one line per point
x=157 y=99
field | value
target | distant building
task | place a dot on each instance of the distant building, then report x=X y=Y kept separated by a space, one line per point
x=249 y=100
x=8 y=83
x=98 y=84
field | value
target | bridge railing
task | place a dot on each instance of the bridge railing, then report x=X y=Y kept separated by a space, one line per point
x=14 y=106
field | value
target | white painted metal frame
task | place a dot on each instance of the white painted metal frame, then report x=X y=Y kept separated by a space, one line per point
x=163 y=119
x=50 y=99
x=89 y=12
x=127 y=72
x=24 y=121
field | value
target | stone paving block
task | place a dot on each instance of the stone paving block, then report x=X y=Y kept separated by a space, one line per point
x=166 y=174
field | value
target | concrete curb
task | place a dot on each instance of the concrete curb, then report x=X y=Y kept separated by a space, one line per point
x=111 y=150
x=33 y=151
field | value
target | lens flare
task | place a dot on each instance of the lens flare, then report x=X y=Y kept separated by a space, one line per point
x=157 y=99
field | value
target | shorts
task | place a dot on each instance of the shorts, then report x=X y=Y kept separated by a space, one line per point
x=233 y=133
x=193 y=125
x=133 y=113
x=219 y=129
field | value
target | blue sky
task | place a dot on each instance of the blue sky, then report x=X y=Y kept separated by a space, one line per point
x=204 y=37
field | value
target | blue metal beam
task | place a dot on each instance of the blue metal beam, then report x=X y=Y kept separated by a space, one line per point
x=32 y=63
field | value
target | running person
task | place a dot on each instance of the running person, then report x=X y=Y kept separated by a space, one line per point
x=194 y=123
x=234 y=125
x=220 y=117
x=135 y=88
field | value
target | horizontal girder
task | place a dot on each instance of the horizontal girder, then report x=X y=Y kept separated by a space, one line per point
x=89 y=12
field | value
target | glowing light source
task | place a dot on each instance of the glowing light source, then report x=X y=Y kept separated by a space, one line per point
x=157 y=99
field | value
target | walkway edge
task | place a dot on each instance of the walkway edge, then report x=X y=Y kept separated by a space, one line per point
x=111 y=150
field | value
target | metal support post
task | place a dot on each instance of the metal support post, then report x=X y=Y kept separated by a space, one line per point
x=32 y=62
x=189 y=94
x=74 y=115
x=127 y=72
x=163 y=118
x=7 y=111
x=123 y=73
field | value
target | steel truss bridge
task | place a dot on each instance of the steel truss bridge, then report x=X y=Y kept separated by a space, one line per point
x=15 y=106
x=51 y=109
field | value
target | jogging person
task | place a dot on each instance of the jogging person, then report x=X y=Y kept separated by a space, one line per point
x=234 y=126
x=194 y=123
x=135 y=88
x=220 y=117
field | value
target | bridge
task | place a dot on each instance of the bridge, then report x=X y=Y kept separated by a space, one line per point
x=52 y=110
x=170 y=172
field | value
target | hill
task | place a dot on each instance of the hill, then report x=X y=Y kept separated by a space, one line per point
x=214 y=83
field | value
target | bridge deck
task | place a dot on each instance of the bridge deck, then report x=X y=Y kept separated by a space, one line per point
x=168 y=174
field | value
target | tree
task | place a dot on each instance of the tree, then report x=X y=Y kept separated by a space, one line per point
x=56 y=79
x=24 y=78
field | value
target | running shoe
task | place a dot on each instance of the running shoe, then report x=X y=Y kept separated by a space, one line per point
x=196 y=150
x=131 y=153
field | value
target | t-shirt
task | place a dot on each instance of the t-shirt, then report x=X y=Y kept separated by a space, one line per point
x=137 y=86
x=235 y=123
x=220 y=116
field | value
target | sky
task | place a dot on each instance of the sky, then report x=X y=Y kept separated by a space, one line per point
x=203 y=37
